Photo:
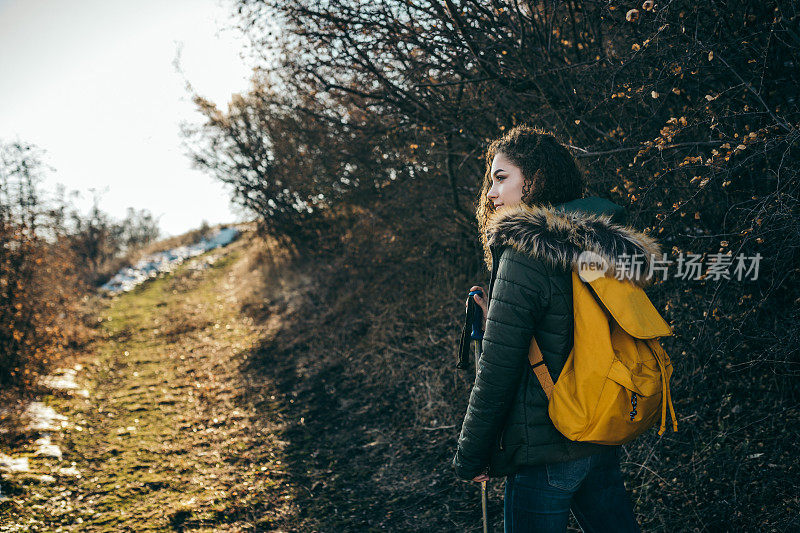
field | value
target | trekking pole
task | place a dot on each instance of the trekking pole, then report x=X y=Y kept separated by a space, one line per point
x=477 y=338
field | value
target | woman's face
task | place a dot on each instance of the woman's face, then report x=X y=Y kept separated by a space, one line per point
x=507 y=183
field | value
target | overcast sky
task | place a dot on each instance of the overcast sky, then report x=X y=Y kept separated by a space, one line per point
x=92 y=82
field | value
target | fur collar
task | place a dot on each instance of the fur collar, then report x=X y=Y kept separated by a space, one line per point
x=559 y=237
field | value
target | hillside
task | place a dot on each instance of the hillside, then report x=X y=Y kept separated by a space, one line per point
x=316 y=390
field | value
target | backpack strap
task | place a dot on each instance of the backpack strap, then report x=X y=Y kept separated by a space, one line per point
x=666 y=400
x=539 y=368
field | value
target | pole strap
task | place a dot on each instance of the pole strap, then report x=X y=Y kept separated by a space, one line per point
x=540 y=368
x=463 y=359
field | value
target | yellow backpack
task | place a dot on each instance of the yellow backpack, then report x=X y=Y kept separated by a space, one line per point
x=616 y=378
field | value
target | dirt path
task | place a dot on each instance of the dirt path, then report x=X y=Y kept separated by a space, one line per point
x=175 y=435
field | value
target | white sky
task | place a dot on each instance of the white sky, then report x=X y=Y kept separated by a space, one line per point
x=92 y=83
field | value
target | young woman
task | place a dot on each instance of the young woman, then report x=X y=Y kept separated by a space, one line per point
x=534 y=224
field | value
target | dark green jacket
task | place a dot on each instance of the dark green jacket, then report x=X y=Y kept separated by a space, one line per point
x=530 y=293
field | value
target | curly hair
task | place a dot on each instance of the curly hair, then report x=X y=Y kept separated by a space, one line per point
x=550 y=173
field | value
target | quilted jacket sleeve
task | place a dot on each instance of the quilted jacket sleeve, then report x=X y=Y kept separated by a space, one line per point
x=520 y=294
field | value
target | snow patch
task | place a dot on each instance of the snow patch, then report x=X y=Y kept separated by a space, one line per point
x=166 y=261
x=43 y=417
x=69 y=471
x=45 y=448
x=63 y=379
x=13 y=464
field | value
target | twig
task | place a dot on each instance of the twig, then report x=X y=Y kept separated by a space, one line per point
x=586 y=153
x=785 y=125
x=445 y=83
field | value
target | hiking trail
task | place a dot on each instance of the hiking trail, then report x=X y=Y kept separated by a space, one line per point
x=173 y=434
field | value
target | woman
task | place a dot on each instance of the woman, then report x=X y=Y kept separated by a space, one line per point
x=534 y=223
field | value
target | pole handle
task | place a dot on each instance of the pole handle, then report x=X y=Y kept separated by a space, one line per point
x=471 y=331
x=477 y=316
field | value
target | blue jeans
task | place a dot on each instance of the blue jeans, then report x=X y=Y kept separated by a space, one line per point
x=539 y=498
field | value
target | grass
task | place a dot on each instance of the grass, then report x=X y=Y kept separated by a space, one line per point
x=168 y=439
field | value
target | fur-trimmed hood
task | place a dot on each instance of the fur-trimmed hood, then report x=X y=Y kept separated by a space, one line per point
x=560 y=234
